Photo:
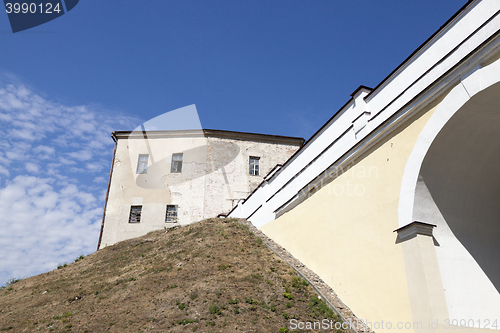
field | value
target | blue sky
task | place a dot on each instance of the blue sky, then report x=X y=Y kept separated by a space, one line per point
x=277 y=67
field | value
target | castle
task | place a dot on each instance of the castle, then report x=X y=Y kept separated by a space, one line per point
x=394 y=201
x=176 y=177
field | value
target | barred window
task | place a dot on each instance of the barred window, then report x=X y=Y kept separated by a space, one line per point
x=171 y=216
x=176 y=166
x=135 y=214
x=254 y=165
x=142 y=164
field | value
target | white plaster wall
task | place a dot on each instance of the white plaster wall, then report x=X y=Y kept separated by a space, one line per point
x=232 y=182
x=215 y=176
x=469 y=293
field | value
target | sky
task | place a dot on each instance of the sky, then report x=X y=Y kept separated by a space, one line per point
x=276 y=67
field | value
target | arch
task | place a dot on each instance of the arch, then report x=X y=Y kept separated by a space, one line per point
x=450 y=181
x=479 y=80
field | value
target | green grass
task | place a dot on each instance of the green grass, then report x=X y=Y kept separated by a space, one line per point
x=214 y=309
x=79 y=258
x=299 y=283
x=223 y=267
x=319 y=309
x=187 y=321
x=10 y=282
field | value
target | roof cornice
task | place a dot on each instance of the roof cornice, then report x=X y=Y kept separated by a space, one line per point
x=245 y=136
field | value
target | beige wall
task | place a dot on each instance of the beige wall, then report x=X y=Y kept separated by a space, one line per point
x=215 y=175
x=344 y=232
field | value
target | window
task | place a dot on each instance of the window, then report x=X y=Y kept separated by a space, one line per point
x=142 y=164
x=254 y=165
x=176 y=166
x=135 y=214
x=171 y=216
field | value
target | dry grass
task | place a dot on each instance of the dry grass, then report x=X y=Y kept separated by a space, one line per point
x=212 y=276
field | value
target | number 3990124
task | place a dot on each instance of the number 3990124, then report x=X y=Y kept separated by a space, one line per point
x=32 y=8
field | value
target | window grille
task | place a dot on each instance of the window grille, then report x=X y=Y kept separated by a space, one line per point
x=135 y=214
x=171 y=216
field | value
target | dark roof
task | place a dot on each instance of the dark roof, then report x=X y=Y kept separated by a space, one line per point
x=297 y=141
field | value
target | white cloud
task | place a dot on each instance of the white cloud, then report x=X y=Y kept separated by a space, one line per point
x=54 y=164
x=98 y=180
x=32 y=167
x=15 y=155
x=66 y=161
x=5 y=172
x=82 y=155
x=5 y=117
x=44 y=150
x=95 y=167
x=8 y=101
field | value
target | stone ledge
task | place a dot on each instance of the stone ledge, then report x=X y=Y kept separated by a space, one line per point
x=413 y=229
x=323 y=289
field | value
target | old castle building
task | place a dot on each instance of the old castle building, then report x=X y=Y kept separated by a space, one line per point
x=393 y=202
x=165 y=178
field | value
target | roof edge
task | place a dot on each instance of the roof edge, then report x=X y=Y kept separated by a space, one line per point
x=373 y=90
x=210 y=133
x=418 y=49
x=360 y=88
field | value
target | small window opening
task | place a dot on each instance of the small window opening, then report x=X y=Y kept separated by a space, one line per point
x=254 y=165
x=142 y=164
x=176 y=166
x=135 y=214
x=171 y=216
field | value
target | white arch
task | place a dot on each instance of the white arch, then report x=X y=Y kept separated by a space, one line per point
x=479 y=80
x=462 y=277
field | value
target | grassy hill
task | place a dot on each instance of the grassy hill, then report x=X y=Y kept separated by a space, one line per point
x=212 y=276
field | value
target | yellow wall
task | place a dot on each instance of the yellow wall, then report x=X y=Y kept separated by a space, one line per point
x=344 y=232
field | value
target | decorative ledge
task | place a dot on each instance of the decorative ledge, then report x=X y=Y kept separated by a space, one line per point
x=361 y=121
x=413 y=229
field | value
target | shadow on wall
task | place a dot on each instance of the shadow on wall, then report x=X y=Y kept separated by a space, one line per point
x=461 y=172
x=213 y=157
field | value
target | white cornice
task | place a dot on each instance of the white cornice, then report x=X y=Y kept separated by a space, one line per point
x=337 y=144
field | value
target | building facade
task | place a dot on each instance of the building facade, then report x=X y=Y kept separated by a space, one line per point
x=166 y=178
x=394 y=202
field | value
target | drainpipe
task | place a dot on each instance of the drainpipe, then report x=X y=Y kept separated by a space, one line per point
x=107 y=192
